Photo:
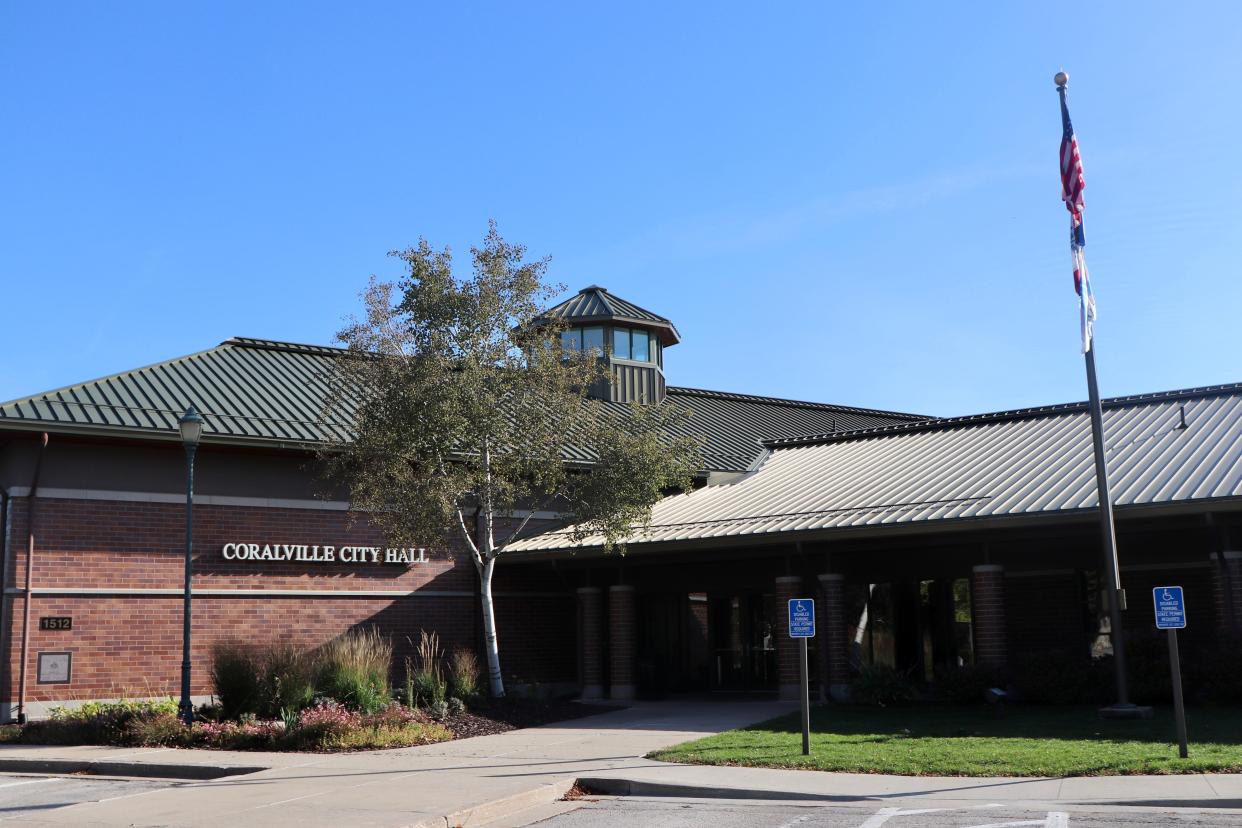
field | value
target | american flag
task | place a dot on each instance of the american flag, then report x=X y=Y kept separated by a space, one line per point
x=1072 y=185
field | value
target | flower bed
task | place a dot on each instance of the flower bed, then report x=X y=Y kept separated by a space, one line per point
x=334 y=697
x=326 y=726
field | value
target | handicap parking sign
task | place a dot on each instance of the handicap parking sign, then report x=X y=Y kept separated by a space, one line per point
x=801 y=618
x=1170 y=608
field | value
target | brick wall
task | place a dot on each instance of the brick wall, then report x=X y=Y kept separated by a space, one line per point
x=127 y=643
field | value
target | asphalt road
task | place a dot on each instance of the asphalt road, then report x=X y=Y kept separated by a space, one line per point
x=643 y=813
x=25 y=796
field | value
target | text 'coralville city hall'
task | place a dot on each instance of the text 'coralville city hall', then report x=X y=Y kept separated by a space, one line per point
x=927 y=542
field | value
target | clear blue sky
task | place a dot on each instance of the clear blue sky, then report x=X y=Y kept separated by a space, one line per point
x=856 y=203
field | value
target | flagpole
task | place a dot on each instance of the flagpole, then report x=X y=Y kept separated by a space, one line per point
x=1122 y=708
x=1108 y=533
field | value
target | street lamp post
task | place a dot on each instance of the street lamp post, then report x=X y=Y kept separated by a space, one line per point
x=191 y=426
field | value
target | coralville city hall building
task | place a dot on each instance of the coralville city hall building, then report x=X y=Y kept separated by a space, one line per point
x=926 y=541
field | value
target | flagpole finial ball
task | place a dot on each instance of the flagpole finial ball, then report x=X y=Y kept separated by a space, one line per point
x=1060 y=79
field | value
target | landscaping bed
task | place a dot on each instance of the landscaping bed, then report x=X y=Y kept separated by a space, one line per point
x=333 y=698
x=947 y=740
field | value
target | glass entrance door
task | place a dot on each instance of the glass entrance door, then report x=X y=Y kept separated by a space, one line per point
x=742 y=630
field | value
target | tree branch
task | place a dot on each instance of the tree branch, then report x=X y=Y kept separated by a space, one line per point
x=519 y=529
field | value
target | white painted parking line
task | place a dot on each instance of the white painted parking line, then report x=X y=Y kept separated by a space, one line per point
x=1055 y=819
x=31 y=782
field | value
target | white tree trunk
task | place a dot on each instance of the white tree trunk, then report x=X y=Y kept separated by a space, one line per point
x=495 y=683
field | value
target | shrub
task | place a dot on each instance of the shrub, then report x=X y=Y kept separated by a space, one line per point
x=1147 y=668
x=353 y=669
x=425 y=682
x=881 y=685
x=94 y=722
x=329 y=727
x=239 y=736
x=966 y=684
x=159 y=730
x=1063 y=677
x=463 y=674
x=236 y=676
x=287 y=680
x=456 y=706
x=1214 y=671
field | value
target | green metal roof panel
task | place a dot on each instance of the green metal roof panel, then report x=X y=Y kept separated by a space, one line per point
x=256 y=390
x=596 y=304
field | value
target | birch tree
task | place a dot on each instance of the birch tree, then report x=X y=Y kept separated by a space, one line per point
x=461 y=404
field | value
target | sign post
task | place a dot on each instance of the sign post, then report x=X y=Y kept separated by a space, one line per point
x=802 y=627
x=1171 y=615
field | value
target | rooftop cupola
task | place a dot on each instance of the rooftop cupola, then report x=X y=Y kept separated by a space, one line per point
x=633 y=340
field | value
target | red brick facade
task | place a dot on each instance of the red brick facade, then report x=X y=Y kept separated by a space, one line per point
x=987 y=596
x=116 y=568
x=787 y=649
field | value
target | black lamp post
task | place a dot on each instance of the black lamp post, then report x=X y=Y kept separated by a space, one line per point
x=191 y=426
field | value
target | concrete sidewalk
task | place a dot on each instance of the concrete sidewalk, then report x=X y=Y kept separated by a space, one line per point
x=1196 y=791
x=471 y=781
x=464 y=782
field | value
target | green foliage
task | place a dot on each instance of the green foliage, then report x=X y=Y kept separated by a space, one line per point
x=1214 y=671
x=236 y=669
x=1062 y=677
x=454 y=390
x=637 y=463
x=966 y=684
x=158 y=730
x=286 y=681
x=456 y=706
x=463 y=675
x=95 y=722
x=425 y=682
x=459 y=398
x=881 y=685
x=353 y=669
x=941 y=740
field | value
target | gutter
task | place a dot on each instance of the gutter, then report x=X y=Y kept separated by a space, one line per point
x=30 y=551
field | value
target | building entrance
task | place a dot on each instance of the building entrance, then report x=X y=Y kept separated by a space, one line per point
x=742 y=631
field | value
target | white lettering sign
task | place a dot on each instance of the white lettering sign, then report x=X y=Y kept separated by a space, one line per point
x=307 y=553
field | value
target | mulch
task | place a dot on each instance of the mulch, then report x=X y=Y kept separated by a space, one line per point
x=502 y=715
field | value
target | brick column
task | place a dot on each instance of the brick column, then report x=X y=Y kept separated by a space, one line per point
x=1227 y=590
x=834 y=668
x=987 y=602
x=591 y=656
x=621 y=641
x=787 y=649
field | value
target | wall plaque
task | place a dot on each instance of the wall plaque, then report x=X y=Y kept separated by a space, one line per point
x=54 y=668
x=56 y=622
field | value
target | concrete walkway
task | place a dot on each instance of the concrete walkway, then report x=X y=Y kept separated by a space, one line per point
x=464 y=782
x=472 y=781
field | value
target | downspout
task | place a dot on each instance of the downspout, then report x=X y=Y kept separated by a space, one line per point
x=30 y=549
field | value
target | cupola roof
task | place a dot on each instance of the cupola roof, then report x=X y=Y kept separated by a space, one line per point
x=595 y=304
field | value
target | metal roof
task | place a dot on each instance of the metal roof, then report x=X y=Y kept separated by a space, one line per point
x=596 y=304
x=1030 y=462
x=258 y=391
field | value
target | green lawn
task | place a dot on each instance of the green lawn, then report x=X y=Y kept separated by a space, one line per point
x=962 y=741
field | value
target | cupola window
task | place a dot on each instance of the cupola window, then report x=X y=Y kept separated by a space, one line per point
x=631 y=343
x=583 y=339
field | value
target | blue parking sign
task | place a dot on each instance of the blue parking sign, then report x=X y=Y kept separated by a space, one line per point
x=1170 y=608
x=801 y=618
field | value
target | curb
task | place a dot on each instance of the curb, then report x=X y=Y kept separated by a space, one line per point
x=497 y=808
x=104 y=767
x=620 y=786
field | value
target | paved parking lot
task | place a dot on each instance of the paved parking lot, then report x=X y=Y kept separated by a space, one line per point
x=623 y=812
x=26 y=796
